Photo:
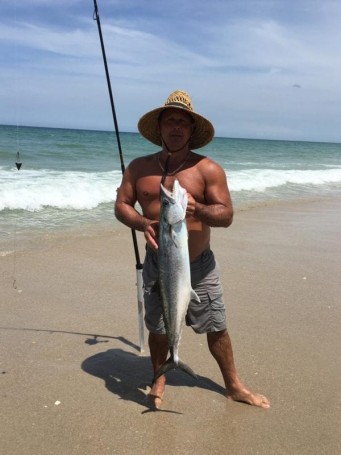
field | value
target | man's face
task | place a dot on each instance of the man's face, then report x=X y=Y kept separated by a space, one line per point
x=176 y=128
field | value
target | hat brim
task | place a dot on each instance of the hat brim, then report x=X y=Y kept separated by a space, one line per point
x=148 y=126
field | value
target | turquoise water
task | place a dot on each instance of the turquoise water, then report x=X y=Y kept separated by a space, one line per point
x=69 y=177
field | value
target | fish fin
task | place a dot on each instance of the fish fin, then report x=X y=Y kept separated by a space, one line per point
x=182 y=366
x=194 y=296
x=170 y=364
x=173 y=236
x=156 y=287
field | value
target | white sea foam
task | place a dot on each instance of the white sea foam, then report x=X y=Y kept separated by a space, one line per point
x=35 y=190
x=260 y=180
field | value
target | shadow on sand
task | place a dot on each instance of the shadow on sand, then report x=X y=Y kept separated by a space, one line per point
x=92 y=339
x=124 y=373
x=129 y=375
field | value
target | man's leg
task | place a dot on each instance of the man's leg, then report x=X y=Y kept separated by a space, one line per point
x=158 y=347
x=220 y=347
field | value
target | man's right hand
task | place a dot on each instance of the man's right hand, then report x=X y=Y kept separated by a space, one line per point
x=151 y=233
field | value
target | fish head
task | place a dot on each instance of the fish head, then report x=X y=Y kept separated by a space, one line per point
x=174 y=203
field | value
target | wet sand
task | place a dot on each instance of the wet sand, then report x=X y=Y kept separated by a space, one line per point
x=74 y=382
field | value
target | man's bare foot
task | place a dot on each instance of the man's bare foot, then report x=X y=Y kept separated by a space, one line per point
x=245 y=396
x=156 y=394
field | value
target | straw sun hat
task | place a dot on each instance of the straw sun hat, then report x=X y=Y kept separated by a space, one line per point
x=149 y=123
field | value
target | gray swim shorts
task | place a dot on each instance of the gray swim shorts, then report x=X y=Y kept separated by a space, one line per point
x=203 y=317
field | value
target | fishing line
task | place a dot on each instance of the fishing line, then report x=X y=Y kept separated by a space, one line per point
x=18 y=164
x=165 y=170
x=169 y=154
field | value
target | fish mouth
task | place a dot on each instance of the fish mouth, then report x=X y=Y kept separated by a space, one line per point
x=177 y=198
x=167 y=193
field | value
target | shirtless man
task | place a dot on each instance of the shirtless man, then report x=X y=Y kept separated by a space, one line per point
x=179 y=130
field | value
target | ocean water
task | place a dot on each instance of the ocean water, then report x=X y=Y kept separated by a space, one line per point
x=70 y=177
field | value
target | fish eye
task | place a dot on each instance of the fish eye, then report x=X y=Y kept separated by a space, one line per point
x=165 y=202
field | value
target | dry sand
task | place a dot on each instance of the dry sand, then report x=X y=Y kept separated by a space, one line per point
x=73 y=381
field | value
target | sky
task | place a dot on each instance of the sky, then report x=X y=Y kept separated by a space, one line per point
x=263 y=69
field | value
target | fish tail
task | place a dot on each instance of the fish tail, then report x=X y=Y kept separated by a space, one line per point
x=182 y=366
x=170 y=364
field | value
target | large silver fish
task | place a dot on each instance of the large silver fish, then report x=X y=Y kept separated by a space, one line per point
x=174 y=272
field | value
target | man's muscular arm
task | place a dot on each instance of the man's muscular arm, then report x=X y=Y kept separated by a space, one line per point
x=125 y=204
x=125 y=209
x=217 y=209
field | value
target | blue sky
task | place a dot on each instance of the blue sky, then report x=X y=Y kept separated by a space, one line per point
x=256 y=68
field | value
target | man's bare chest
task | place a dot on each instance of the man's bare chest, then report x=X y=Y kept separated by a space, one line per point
x=148 y=187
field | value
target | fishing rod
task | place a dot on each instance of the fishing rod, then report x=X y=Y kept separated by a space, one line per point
x=139 y=266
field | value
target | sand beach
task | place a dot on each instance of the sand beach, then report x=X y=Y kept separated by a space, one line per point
x=73 y=380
